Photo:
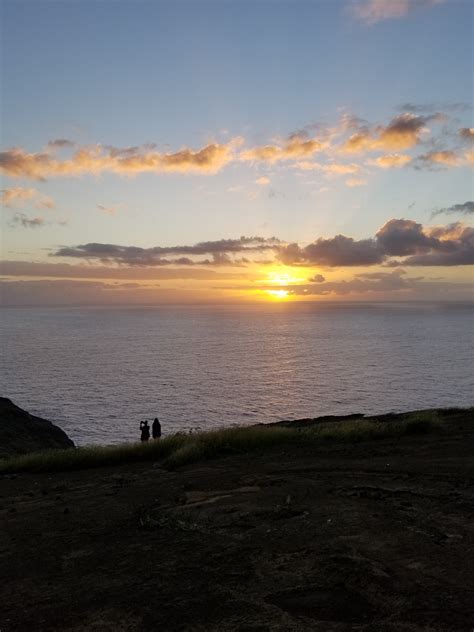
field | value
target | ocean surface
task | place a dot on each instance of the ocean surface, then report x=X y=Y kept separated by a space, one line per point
x=97 y=372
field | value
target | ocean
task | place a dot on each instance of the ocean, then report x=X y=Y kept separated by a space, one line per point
x=96 y=372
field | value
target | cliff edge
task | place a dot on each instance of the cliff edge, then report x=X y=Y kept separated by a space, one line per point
x=21 y=432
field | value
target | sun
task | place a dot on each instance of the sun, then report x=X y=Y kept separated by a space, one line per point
x=276 y=284
x=278 y=293
x=283 y=281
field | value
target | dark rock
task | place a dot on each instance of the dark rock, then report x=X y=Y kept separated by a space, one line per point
x=21 y=432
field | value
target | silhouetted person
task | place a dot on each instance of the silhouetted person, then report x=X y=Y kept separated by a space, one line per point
x=145 y=430
x=156 y=428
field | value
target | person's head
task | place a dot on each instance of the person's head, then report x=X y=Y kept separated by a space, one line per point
x=156 y=419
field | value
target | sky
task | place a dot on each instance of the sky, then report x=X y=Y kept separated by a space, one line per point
x=159 y=152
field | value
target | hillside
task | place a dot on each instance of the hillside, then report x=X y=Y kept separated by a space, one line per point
x=375 y=536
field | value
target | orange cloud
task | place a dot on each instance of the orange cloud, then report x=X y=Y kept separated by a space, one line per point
x=329 y=169
x=97 y=159
x=447 y=158
x=263 y=181
x=390 y=160
x=356 y=182
x=296 y=147
x=469 y=155
x=403 y=132
x=17 y=196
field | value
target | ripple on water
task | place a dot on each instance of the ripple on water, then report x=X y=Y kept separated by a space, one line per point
x=97 y=372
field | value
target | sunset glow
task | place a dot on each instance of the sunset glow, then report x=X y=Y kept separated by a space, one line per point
x=237 y=271
x=200 y=183
x=279 y=294
x=284 y=278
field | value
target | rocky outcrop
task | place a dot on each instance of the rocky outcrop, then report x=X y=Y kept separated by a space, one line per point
x=21 y=432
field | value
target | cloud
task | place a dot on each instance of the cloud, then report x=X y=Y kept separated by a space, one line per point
x=444 y=159
x=404 y=237
x=356 y=182
x=108 y=210
x=337 y=251
x=263 y=181
x=467 y=133
x=449 y=245
x=15 y=196
x=98 y=159
x=373 y=11
x=430 y=107
x=384 y=285
x=182 y=255
x=45 y=202
x=455 y=248
x=351 y=135
x=22 y=220
x=295 y=147
x=67 y=292
x=360 y=284
x=390 y=161
x=84 y=271
x=60 y=143
x=403 y=132
x=447 y=157
x=331 y=168
x=397 y=238
x=467 y=208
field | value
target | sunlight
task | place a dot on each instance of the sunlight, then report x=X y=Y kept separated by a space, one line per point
x=278 y=293
x=282 y=278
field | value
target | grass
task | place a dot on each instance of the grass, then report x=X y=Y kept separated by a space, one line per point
x=94 y=456
x=181 y=449
x=355 y=431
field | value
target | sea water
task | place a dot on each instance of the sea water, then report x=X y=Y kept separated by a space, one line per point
x=97 y=372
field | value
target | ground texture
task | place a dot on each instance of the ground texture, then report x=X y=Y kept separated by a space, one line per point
x=376 y=537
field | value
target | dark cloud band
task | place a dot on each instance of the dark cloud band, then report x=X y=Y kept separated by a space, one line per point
x=397 y=242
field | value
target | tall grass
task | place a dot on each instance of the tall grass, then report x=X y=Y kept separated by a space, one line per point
x=209 y=445
x=181 y=449
x=422 y=422
x=94 y=456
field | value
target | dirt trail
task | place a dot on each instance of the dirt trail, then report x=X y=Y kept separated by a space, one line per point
x=375 y=537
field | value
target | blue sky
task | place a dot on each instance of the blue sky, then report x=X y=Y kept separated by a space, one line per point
x=242 y=75
x=128 y=72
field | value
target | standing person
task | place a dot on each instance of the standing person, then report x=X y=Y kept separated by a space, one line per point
x=156 y=428
x=145 y=430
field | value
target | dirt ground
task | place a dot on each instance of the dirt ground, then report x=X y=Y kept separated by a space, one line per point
x=375 y=537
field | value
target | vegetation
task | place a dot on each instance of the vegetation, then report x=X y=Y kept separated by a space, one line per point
x=422 y=422
x=94 y=456
x=180 y=449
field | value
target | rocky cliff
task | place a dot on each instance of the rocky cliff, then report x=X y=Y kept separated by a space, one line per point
x=21 y=432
